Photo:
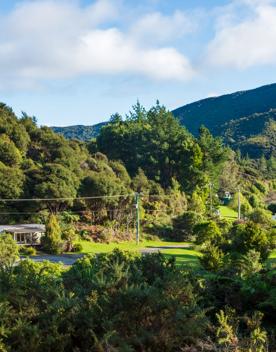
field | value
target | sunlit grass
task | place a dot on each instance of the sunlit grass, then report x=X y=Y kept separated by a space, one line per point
x=227 y=212
x=183 y=255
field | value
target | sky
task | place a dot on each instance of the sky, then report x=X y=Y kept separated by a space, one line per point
x=70 y=62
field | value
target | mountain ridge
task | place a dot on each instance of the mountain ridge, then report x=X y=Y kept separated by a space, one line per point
x=224 y=116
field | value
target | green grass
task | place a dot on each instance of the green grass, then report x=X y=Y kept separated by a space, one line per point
x=183 y=256
x=187 y=256
x=227 y=212
x=272 y=258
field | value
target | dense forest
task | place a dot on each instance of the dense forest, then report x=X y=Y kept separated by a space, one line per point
x=125 y=302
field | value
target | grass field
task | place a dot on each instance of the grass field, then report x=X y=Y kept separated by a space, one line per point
x=185 y=255
x=227 y=212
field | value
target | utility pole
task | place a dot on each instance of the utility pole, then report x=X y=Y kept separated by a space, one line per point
x=137 y=198
x=239 y=204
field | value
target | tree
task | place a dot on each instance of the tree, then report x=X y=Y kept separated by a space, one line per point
x=69 y=236
x=196 y=203
x=51 y=241
x=183 y=225
x=11 y=182
x=207 y=232
x=9 y=154
x=261 y=216
x=251 y=236
x=8 y=252
x=155 y=142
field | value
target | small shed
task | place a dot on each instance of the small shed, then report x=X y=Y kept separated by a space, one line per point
x=25 y=234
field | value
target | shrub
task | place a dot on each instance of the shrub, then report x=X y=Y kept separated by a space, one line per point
x=51 y=241
x=262 y=187
x=183 y=225
x=27 y=251
x=77 y=247
x=272 y=208
x=261 y=216
x=251 y=236
x=69 y=236
x=212 y=259
x=245 y=205
x=207 y=232
x=8 y=251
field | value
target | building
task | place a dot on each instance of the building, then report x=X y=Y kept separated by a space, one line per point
x=25 y=234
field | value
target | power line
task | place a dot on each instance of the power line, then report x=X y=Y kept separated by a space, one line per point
x=83 y=198
x=63 y=199
x=84 y=212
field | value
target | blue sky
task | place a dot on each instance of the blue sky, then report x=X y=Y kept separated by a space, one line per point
x=79 y=61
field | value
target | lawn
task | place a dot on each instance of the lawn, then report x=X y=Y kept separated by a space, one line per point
x=185 y=255
x=227 y=212
x=272 y=258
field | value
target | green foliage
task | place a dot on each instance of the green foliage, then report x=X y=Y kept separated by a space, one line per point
x=196 y=203
x=183 y=225
x=250 y=236
x=245 y=205
x=11 y=182
x=69 y=235
x=77 y=247
x=242 y=119
x=250 y=263
x=27 y=251
x=155 y=142
x=207 y=232
x=261 y=216
x=9 y=154
x=82 y=133
x=51 y=241
x=212 y=259
x=8 y=252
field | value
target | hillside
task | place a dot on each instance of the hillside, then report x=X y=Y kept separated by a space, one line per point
x=216 y=112
x=254 y=134
x=80 y=132
x=240 y=118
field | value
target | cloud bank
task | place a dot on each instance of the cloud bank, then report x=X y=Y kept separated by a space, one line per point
x=245 y=41
x=41 y=40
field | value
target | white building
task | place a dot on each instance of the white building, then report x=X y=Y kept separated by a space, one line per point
x=26 y=234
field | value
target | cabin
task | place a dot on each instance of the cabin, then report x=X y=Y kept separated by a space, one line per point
x=25 y=234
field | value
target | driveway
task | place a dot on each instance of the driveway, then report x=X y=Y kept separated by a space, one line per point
x=65 y=259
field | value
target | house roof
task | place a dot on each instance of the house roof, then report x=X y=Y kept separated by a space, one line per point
x=23 y=228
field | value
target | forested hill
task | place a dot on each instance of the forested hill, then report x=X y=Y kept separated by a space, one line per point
x=215 y=112
x=80 y=132
x=243 y=119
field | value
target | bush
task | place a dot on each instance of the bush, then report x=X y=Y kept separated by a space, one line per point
x=183 y=225
x=27 y=251
x=261 y=216
x=207 y=232
x=212 y=259
x=8 y=251
x=272 y=208
x=51 y=241
x=77 y=247
x=250 y=236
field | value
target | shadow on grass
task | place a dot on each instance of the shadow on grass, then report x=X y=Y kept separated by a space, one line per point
x=184 y=259
x=184 y=246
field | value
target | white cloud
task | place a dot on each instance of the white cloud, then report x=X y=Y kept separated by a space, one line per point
x=48 y=39
x=158 y=28
x=245 y=36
